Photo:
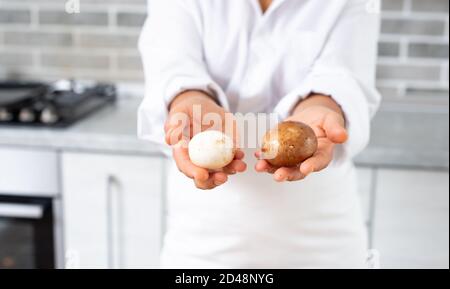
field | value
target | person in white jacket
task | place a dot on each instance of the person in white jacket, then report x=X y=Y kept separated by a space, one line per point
x=307 y=60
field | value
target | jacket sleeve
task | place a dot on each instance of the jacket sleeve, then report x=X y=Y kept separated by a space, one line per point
x=172 y=54
x=345 y=70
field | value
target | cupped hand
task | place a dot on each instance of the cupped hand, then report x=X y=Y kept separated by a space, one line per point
x=329 y=126
x=193 y=110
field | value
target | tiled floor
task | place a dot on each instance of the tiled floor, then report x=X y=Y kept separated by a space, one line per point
x=411 y=220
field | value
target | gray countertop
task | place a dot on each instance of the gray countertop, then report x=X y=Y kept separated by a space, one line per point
x=403 y=138
x=414 y=136
x=110 y=130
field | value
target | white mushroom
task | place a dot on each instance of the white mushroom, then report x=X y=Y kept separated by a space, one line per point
x=211 y=150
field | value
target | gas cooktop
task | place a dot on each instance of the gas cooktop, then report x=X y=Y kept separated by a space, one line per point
x=57 y=104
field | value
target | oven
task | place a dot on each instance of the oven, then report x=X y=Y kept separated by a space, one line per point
x=31 y=234
x=26 y=233
x=30 y=209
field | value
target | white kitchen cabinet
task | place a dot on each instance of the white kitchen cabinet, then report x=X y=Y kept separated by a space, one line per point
x=112 y=210
x=365 y=187
x=411 y=226
x=366 y=179
x=28 y=172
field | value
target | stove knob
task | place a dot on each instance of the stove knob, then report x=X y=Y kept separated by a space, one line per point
x=27 y=115
x=49 y=116
x=5 y=115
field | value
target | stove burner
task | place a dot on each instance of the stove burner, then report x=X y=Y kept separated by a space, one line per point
x=58 y=104
x=5 y=115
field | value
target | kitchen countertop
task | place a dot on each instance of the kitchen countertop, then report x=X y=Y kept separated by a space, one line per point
x=411 y=136
x=400 y=137
x=110 y=130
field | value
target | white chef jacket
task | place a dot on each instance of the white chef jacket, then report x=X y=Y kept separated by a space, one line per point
x=260 y=62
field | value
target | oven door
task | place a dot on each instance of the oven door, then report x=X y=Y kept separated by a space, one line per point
x=26 y=233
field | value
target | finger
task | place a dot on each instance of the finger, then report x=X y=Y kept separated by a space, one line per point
x=236 y=166
x=219 y=178
x=175 y=127
x=335 y=129
x=262 y=166
x=174 y=134
x=214 y=180
x=171 y=138
x=167 y=136
x=239 y=155
x=320 y=160
x=205 y=185
x=184 y=164
x=288 y=174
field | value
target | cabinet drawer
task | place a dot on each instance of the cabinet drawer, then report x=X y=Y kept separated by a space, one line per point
x=28 y=172
x=112 y=209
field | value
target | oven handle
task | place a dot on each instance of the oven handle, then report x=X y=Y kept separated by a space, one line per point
x=114 y=223
x=21 y=211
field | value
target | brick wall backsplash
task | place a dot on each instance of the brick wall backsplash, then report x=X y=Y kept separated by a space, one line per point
x=38 y=39
x=413 y=51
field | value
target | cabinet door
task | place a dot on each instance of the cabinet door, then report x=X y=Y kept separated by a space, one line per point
x=112 y=210
x=412 y=219
x=366 y=191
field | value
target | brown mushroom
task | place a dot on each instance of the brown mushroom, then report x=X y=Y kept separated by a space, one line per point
x=289 y=144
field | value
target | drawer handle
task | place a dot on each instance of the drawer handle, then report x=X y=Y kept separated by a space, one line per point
x=21 y=211
x=114 y=223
